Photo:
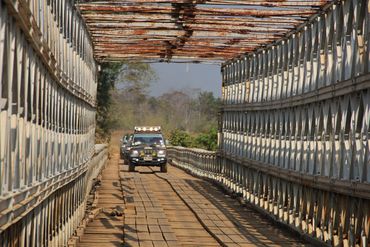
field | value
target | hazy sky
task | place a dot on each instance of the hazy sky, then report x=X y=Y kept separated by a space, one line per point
x=177 y=76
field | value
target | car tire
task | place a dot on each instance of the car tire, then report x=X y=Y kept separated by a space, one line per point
x=164 y=168
x=131 y=167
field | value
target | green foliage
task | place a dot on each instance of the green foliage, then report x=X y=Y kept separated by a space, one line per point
x=207 y=140
x=106 y=81
x=180 y=138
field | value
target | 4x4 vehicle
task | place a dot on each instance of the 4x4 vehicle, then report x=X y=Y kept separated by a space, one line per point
x=148 y=148
x=125 y=146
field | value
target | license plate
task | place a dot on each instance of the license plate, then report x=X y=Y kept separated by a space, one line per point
x=148 y=158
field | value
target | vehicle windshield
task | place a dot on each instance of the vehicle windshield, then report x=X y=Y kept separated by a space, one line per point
x=148 y=139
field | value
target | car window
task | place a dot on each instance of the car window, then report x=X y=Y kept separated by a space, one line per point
x=148 y=139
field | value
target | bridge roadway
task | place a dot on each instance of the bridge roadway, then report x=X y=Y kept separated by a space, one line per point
x=174 y=209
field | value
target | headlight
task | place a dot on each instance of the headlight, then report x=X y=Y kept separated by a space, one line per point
x=161 y=153
x=134 y=153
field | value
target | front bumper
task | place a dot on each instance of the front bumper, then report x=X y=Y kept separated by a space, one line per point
x=139 y=161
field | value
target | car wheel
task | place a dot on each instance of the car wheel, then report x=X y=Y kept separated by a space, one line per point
x=131 y=167
x=164 y=168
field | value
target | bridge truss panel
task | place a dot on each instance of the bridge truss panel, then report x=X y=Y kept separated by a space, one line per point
x=47 y=109
x=297 y=112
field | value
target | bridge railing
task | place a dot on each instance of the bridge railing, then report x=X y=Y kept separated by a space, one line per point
x=309 y=205
x=50 y=216
x=198 y=161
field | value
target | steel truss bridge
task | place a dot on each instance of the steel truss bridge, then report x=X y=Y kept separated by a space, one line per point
x=294 y=137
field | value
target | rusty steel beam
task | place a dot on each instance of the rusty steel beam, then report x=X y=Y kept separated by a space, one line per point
x=255 y=3
x=191 y=29
x=101 y=19
x=189 y=11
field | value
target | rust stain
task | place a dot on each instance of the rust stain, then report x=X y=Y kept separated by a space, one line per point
x=139 y=32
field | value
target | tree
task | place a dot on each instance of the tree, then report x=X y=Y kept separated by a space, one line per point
x=208 y=104
x=134 y=77
x=106 y=81
x=180 y=138
x=179 y=110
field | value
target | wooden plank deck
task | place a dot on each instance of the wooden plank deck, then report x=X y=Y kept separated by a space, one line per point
x=107 y=229
x=174 y=209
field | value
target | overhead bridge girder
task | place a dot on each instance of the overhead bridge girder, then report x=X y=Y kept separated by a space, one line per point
x=195 y=31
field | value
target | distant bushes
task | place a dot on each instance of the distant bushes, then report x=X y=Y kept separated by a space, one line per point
x=206 y=140
x=180 y=138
